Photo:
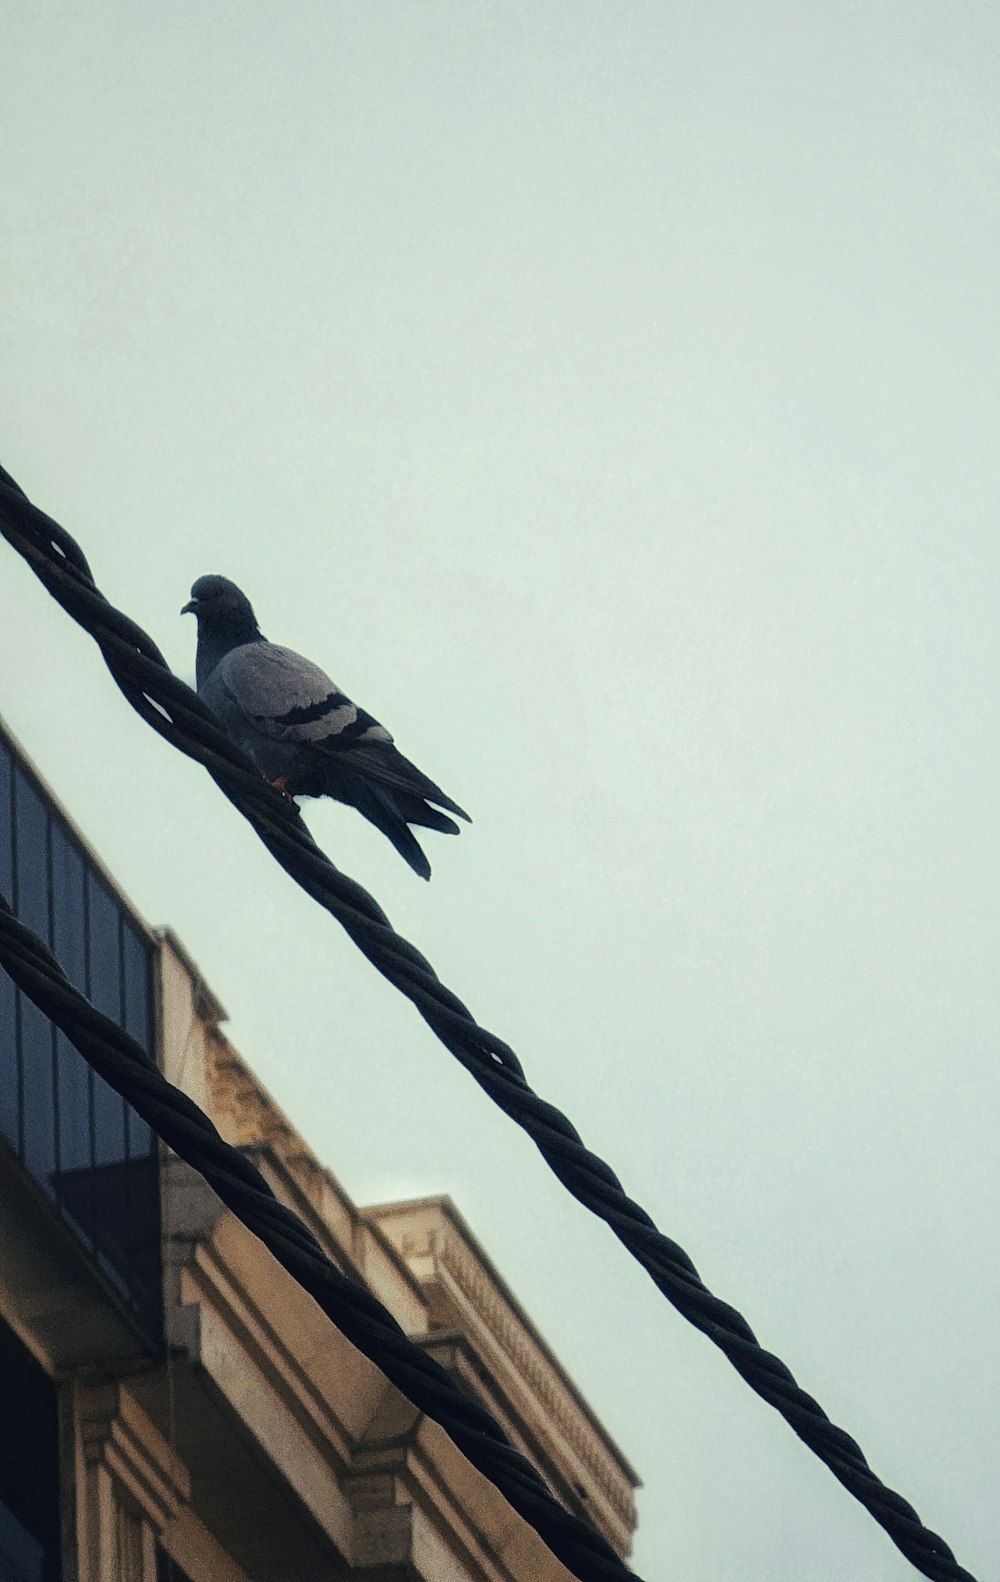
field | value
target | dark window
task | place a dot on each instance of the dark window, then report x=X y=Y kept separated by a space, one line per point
x=69 y=922
x=104 y=967
x=36 y=1035
x=38 y=1095
x=29 y=1467
x=77 y=1137
x=137 y=1020
x=6 y=821
x=105 y=964
x=10 y=1101
x=22 y=1557
x=168 y=1570
x=31 y=856
x=75 y=1143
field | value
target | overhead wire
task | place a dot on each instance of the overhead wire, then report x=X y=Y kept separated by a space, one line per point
x=356 y=1312
x=178 y=714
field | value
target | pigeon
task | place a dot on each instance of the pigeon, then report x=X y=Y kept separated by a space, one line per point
x=304 y=734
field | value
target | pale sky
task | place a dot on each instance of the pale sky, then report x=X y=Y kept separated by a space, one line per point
x=607 y=397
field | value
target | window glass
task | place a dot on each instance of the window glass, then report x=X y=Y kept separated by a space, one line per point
x=104 y=957
x=167 y=1570
x=38 y=1115
x=73 y=1083
x=73 y=1131
x=69 y=941
x=137 y=993
x=31 y=870
x=6 y=823
x=105 y=991
x=136 y=978
x=8 y=1052
x=109 y=1123
x=29 y=1466
x=9 y=1084
x=69 y=921
x=21 y=1557
x=31 y=856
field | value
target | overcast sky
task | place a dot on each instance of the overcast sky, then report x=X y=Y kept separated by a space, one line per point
x=608 y=397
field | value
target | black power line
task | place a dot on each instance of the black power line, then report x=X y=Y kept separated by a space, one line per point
x=359 y=1315
x=179 y=714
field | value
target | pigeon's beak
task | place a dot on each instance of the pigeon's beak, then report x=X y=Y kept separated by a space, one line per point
x=191 y=608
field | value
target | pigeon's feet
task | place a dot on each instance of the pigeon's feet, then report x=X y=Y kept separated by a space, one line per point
x=281 y=784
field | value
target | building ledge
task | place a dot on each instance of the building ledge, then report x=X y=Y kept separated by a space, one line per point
x=479 y=1328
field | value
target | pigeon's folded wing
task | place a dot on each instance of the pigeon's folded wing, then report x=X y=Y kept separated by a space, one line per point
x=288 y=698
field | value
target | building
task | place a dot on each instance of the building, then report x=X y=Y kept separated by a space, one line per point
x=173 y=1408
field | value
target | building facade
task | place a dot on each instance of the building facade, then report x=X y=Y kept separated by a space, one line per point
x=173 y=1407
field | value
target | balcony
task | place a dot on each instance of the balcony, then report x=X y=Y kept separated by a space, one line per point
x=87 y=1150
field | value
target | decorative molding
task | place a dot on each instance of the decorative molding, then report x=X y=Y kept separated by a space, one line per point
x=248 y=1117
x=115 y=1433
x=244 y=1112
x=529 y=1363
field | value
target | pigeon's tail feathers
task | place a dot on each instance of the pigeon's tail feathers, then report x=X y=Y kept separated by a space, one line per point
x=388 y=790
x=380 y=810
x=433 y=793
x=414 y=810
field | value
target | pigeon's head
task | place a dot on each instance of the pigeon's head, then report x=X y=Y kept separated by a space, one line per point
x=220 y=606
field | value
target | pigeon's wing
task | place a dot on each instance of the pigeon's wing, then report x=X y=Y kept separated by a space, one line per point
x=287 y=698
x=385 y=768
x=296 y=722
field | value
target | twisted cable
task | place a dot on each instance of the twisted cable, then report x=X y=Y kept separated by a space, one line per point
x=358 y=1314
x=178 y=714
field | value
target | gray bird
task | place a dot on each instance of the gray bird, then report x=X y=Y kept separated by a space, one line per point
x=305 y=735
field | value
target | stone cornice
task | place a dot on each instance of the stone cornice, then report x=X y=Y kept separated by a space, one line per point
x=248 y=1117
x=469 y=1296
x=534 y=1368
